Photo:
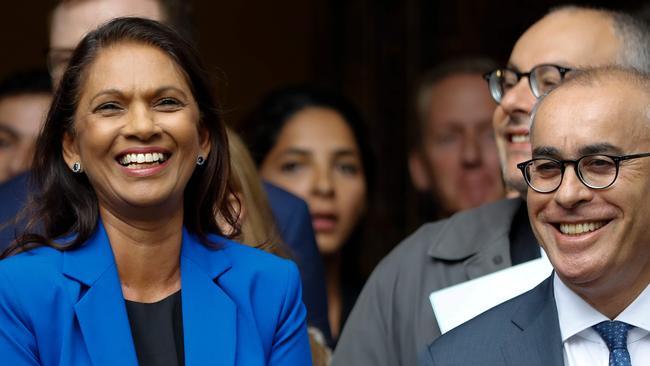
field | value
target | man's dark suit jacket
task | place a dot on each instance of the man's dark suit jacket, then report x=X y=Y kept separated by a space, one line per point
x=292 y=218
x=521 y=331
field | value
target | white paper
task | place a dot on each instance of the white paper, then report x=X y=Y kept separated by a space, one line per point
x=457 y=304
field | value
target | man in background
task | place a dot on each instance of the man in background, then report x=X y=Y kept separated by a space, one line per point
x=453 y=162
x=393 y=320
x=72 y=19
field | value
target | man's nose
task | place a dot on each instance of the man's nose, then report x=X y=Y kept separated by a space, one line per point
x=519 y=99
x=572 y=191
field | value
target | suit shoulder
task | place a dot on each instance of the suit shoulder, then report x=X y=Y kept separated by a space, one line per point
x=495 y=326
x=41 y=259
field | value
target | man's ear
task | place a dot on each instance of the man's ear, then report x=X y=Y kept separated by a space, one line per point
x=418 y=171
x=70 y=151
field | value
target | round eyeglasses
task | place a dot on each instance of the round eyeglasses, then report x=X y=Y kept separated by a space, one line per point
x=544 y=175
x=541 y=79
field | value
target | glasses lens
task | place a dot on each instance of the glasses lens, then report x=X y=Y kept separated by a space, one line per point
x=597 y=171
x=544 y=78
x=544 y=175
x=500 y=82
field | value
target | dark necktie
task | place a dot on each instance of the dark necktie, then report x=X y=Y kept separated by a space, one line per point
x=614 y=333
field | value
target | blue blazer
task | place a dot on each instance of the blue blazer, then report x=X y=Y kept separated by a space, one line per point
x=521 y=331
x=240 y=306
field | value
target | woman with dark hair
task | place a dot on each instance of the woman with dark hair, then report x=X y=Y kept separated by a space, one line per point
x=311 y=143
x=129 y=268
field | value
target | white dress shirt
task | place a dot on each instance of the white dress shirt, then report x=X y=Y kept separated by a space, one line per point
x=582 y=345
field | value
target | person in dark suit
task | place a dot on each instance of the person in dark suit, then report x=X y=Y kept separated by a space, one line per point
x=130 y=262
x=589 y=181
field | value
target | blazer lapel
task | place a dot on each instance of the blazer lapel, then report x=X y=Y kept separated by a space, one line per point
x=209 y=314
x=540 y=342
x=100 y=309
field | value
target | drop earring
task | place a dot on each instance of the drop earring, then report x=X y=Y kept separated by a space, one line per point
x=200 y=160
x=76 y=167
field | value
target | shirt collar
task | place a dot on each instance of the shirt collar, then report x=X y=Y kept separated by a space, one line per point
x=575 y=314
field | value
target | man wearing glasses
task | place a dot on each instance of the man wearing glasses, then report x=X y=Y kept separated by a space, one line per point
x=589 y=183
x=393 y=320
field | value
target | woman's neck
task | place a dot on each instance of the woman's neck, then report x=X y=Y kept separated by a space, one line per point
x=334 y=292
x=147 y=254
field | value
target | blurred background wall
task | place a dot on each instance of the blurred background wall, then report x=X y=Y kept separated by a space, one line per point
x=370 y=50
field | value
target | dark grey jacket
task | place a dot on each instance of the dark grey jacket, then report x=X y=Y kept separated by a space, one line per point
x=521 y=331
x=392 y=321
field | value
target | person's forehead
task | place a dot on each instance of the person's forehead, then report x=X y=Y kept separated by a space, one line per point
x=614 y=112
x=568 y=38
x=72 y=20
x=461 y=97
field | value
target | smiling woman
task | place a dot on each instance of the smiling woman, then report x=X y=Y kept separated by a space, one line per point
x=125 y=248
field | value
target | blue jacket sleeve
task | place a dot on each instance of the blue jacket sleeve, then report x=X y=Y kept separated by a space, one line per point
x=291 y=343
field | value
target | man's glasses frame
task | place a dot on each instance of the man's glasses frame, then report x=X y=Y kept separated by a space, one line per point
x=494 y=79
x=524 y=168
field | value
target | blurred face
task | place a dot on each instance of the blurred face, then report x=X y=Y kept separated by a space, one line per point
x=596 y=239
x=73 y=19
x=136 y=129
x=459 y=162
x=573 y=39
x=316 y=158
x=21 y=117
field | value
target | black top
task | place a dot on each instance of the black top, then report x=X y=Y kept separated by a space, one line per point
x=157 y=330
x=523 y=245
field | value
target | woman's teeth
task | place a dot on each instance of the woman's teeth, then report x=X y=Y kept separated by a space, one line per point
x=131 y=160
x=577 y=229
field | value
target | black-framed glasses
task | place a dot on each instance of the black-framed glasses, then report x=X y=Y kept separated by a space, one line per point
x=541 y=79
x=598 y=171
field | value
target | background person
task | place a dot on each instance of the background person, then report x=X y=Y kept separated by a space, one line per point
x=311 y=143
x=133 y=165
x=453 y=161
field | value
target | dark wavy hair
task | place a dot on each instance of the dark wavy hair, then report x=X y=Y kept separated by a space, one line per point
x=65 y=203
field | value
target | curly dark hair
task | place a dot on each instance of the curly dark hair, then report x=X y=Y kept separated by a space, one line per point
x=65 y=204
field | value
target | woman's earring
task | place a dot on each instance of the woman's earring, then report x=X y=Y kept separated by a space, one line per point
x=76 y=167
x=200 y=160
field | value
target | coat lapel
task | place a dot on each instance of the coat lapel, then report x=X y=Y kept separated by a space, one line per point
x=100 y=309
x=209 y=314
x=539 y=343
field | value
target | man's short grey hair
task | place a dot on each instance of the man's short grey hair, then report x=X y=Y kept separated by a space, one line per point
x=633 y=33
x=461 y=66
